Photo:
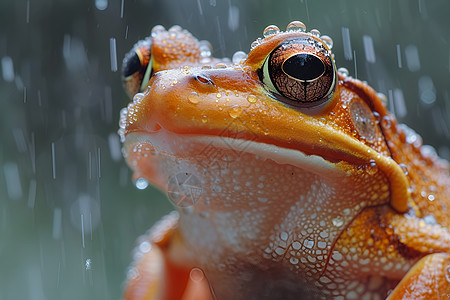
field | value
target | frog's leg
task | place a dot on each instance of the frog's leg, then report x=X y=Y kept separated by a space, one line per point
x=154 y=275
x=429 y=278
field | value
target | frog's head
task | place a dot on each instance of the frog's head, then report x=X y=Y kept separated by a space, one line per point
x=275 y=149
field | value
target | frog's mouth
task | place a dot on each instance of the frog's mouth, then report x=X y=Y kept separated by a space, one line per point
x=147 y=150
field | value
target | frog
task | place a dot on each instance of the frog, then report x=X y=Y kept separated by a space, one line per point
x=290 y=178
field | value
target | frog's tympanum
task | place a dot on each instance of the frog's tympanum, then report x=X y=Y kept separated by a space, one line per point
x=291 y=179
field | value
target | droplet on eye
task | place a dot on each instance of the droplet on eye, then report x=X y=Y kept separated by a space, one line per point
x=270 y=30
x=296 y=26
x=315 y=32
x=363 y=120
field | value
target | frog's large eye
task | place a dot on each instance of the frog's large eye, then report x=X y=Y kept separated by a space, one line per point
x=137 y=68
x=301 y=71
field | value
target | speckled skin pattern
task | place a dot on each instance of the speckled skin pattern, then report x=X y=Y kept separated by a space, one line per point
x=279 y=198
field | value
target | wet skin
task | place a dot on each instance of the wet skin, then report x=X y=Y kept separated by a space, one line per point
x=290 y=178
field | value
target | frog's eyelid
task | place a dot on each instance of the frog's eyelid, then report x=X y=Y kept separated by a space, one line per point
x=147 y=75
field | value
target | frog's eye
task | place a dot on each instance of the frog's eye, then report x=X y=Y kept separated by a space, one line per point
x=301 y=71
x=137 y=68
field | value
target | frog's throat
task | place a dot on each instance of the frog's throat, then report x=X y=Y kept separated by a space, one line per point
x=168 y=143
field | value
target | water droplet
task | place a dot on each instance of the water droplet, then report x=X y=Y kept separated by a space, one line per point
x=338 y=221
x=196 y=275
x=270 y=30
x=363 y=120
x=219 y=95
x=315 y=32
x=251 y=98
x=145 y=246
x=372 y=168
x=204 y=119
x=344 y=71
x=386 y=122
x=327 y=40
x=193 y=98
x=238 y=56
x=175 y=28
x=235 y=111
x=205 y=49
x=296 y=26
x=431 y=197
x=220 y=66
x=382 y=97
x=404 y=168
x=157 y=30
x=138 y=97
x=141 y=183
x=430 y=220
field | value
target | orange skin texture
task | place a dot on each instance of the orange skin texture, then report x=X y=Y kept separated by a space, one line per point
x=363 y=229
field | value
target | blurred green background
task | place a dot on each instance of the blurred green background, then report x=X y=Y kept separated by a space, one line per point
x=69 y=212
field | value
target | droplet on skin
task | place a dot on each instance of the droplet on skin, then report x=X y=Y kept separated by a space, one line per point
x=296 y=26
x=193 y=98
x=363 y=120
x=315 y=32
x=196 y=275
x=271 y=30
x=238 y=56
x=205 y=49
x=338 y=221
x=327 y=40
x=386 y=122
x=145 y=247
x=157 y=29
x=404 y=168
x=220 y=66
x=344 y=71
x=251 y=98
x=235 y=111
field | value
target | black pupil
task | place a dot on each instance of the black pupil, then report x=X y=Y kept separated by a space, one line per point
x=304 y=67
x=131 y=64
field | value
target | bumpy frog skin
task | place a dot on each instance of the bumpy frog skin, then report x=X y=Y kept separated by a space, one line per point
x=290 y=178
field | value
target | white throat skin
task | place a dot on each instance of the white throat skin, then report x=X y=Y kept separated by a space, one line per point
x=257 y=207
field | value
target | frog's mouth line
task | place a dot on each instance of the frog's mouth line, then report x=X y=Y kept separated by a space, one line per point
x=177 y=145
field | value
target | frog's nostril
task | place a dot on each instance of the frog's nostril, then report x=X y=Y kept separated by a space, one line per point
x=204 y=79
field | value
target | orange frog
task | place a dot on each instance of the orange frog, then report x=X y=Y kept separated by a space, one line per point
x=290 y=178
